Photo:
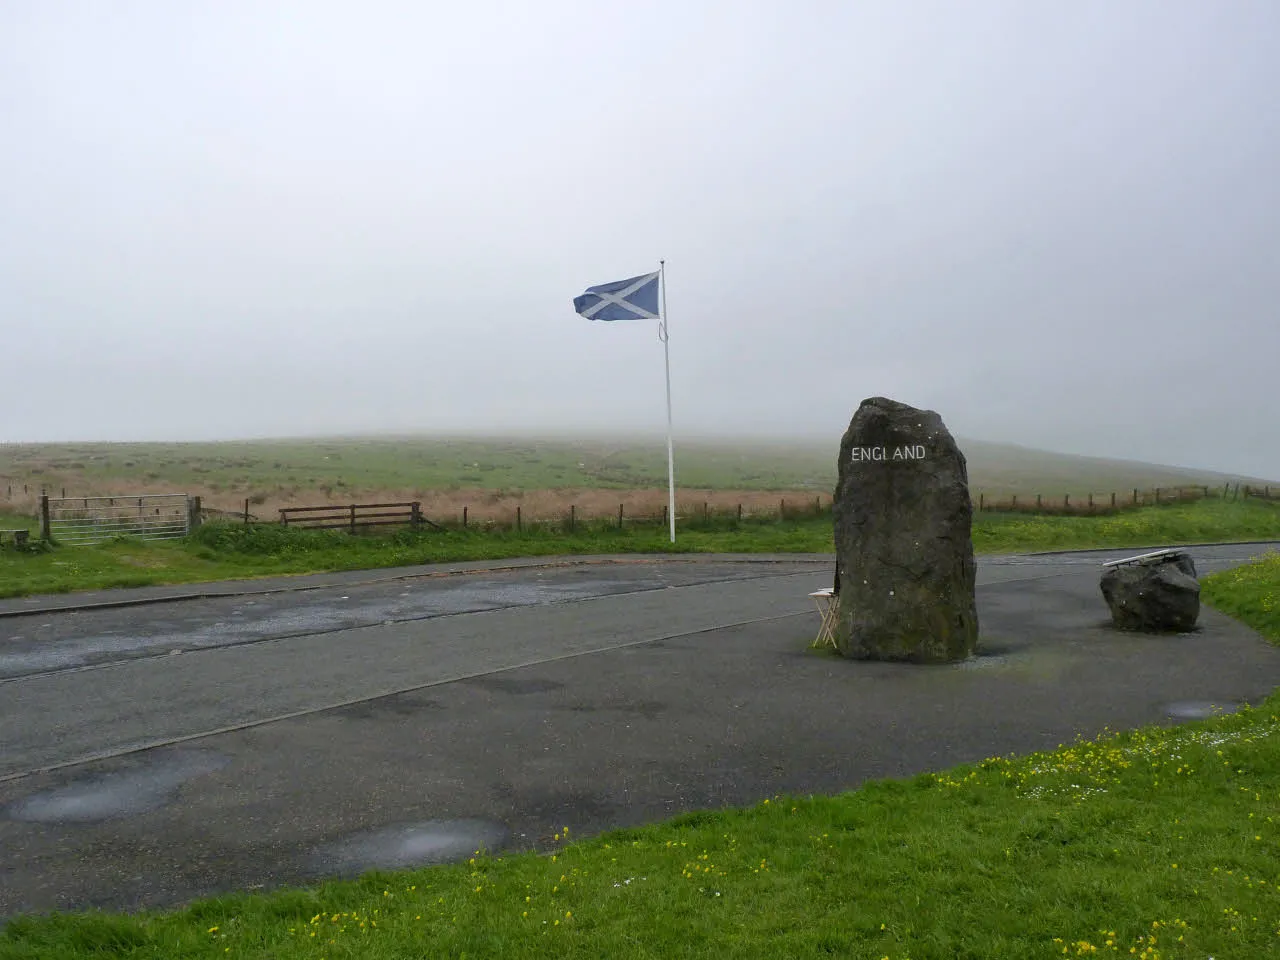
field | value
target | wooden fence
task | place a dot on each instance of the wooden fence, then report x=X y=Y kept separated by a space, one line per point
x=1116 y=501
x=686 y=513
x=691 y=514
x=355 y=516
x=703 y=513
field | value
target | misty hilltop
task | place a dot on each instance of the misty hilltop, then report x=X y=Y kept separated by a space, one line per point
x=347 y=466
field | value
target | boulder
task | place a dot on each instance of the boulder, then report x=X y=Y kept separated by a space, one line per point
x=1157 y=594
x=904 y=551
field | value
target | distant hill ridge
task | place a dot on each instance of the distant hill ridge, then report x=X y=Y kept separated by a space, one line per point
x=347 y=467
x=1001 y=467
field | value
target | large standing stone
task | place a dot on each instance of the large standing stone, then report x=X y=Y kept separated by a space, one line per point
x=1155 y=594
x=904 y=550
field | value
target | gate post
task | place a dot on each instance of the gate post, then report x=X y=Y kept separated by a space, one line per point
x=44 y=517
x=193 y=513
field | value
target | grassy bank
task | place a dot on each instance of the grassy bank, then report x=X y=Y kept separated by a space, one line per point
x=231 y=551
x=1250 y=593
x=1202 y=521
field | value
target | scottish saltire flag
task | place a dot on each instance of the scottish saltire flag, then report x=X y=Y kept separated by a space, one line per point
x=633 y=299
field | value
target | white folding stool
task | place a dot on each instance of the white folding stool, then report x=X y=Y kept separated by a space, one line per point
x=828 y=603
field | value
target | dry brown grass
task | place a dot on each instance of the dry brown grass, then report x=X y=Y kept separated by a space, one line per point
x=499 y=506
x=483 y=506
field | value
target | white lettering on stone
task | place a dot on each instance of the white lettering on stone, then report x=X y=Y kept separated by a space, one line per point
x=881 y=454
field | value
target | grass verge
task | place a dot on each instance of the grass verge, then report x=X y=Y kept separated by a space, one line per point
x=1203 y=521
x=1250 y=593
x=229 y=551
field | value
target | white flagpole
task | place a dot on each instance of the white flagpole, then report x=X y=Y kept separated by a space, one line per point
x=666 y=351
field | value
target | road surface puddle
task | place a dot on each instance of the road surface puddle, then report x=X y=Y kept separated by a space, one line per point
x=410 y=845
x=146 y=786
x=1199 y=709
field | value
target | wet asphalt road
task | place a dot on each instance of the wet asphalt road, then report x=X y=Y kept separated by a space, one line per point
x=159 y=752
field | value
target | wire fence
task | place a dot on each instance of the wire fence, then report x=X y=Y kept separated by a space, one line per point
x=694 y=514
x=166 y=516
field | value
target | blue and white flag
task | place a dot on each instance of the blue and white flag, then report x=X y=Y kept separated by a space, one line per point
x=633 y=299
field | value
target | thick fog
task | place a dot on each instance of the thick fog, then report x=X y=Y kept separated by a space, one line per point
x=1056 y=224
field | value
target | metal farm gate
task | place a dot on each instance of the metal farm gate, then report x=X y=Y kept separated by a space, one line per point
x=91 y=519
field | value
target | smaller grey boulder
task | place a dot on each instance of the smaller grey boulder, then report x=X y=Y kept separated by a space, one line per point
x=1158 y=594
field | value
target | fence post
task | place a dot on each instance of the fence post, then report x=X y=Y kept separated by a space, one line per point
x=284 y=518
x=1037 y=501
x=706 y=512
x=464 y=518
x=1157 y=496
x=619 y=516
x=739 y=513
x=1014 y=504
x=1113 y=499
x=982 y=502
x=1091 y=502
x=1066 y=501
x=353 y=518
x=519 y=522
x=193 y=513
x=44 y=517
x=415 y=515
x=246 y=509
x=665 y=519
x=573 y=517
x=782 y=509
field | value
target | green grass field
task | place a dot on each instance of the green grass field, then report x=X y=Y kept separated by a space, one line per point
x=1160 y=843
x=234 y=551
x=266 y=467
x=420 y=463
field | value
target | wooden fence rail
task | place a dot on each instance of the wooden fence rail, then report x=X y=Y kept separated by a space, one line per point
x=693 y=514
x=1115 y=502
x=354 y=516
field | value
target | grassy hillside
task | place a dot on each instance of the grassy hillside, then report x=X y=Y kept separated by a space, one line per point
x=348 y=466
x=998 y=469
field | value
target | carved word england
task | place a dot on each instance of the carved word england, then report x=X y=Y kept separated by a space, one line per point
x=859 y=454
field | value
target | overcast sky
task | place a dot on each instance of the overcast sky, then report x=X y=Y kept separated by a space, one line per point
x=1057 y=224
